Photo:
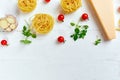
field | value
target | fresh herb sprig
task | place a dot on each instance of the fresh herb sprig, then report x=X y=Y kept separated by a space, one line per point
x=98 y=41
x=79 y=31
x=27 y=33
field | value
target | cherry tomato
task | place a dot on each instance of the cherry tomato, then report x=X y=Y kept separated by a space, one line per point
x=47 y=1
x=119 y=9
x=4 y=42
x=61 y=17
x=84 y=16
x=61 y=39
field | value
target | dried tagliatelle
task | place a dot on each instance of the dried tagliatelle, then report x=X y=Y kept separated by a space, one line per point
x=70 y=5
x=42 y=23
x=27 y=5
x=8 y=23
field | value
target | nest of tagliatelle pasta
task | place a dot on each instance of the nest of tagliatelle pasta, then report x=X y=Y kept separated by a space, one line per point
x=70 y=6
x=42 y=23
x=27 y=5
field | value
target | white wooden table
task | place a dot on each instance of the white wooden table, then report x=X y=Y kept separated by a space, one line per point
x=46 y=60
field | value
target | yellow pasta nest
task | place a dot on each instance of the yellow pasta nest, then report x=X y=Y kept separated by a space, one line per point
x=42 y=23
x=27 y=5
x=70 y=6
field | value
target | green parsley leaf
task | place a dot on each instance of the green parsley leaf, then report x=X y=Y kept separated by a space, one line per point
x=34 y=35
x=24 y=28
x=72 y=24
x=25 y=41
x=27 y=33
x=98 y=41
x=72 y=36
x=75 y=37
x=83 y=34
x=78 y=26
x=85 y=26
x=77 y=30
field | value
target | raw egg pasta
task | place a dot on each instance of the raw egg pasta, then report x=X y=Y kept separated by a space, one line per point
x=27 y=5
x=42 y=23
x=70 y=5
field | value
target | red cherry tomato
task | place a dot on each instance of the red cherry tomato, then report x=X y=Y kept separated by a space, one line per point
x=4 y=42
x=119 y=9
x=61 y=39
x=61 y=17
x=84 y=16
x=47 y=1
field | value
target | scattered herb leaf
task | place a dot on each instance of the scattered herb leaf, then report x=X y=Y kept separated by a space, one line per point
x=79 y=31
x=34 y=36
x=26 y=41
x=98 y=41
x=72 y=24
x=27 y=33
x=75 y=37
